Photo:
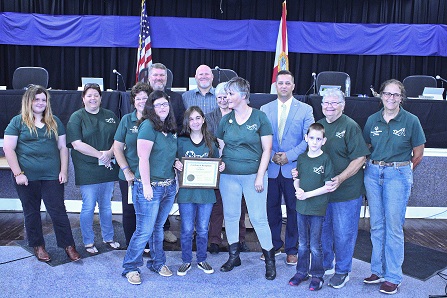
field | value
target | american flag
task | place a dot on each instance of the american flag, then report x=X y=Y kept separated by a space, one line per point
x=144 y=55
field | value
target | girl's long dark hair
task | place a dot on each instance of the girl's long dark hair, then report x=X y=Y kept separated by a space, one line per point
x=169 y=124
x=209 y=138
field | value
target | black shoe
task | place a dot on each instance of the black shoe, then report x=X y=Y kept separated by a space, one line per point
x=214 y=249
x=233 y=260
x=243 y=247
x=270 y=266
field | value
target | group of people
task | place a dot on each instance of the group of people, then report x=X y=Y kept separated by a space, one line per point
x=322 y=170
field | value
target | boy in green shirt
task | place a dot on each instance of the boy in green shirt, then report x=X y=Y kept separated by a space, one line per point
x=314 y=170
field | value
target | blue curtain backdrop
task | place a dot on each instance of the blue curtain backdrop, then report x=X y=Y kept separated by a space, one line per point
x=105 y=37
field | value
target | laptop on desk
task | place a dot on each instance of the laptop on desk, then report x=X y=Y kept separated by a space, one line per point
x=432 y=93
x=323 y=88
x=99 y=81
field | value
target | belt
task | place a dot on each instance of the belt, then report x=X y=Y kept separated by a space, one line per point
x=166 y=182
x=390 y=164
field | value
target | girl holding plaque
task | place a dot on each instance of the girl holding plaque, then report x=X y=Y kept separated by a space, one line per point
x=195 y=204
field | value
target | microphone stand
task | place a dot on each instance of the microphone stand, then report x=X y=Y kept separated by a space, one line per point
x=314 y=85
x=117 y=81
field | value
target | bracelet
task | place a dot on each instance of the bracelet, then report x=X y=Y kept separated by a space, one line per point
x=16 y=175
x=122 y=169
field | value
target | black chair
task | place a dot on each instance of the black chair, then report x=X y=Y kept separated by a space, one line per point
x=414 y=85
x=335 y=78
x=25 y=76
x=144 y=77
x=222 y=75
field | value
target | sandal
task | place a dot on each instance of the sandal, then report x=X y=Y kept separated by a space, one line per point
x=112 y=244
x=91 y=249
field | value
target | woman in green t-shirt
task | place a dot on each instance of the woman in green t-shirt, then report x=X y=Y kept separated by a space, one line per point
x=35 y=149
x=90 y=132
x=245 y=139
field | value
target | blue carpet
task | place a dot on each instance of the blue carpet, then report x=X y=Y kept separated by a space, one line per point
x=419 y=262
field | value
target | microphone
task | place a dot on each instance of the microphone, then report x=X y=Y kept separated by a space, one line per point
x=438 y=77
x=217 y=68
x=314 y=83
x=117 y=79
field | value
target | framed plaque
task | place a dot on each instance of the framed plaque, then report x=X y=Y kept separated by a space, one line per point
x=200 y=172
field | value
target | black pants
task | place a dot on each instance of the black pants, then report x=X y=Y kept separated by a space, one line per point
x=52 y=194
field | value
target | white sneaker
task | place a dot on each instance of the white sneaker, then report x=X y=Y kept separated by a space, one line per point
x=164 y=271
x=183 y=269
x=329 y=271
x=205 y=267
x=133 y=277
x=112 y=244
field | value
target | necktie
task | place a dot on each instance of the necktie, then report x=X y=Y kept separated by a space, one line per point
x=282 y=121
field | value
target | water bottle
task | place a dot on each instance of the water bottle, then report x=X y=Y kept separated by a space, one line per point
x=348 y=87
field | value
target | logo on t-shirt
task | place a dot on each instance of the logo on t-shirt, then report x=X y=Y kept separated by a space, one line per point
x=319 y=170
x=134 y=129
x=191 y=153
x=376 y=132
x=400 y=132
x=110 y=120
x=341 y=134
x=252 y=127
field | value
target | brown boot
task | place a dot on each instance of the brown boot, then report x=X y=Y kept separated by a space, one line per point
x=72 y=253
x=41 y=254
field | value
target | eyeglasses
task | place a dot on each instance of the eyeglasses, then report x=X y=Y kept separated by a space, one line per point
x=159 y=105
x=387 y=95
x=90 y=85
x=333 y=104
x=224 y=97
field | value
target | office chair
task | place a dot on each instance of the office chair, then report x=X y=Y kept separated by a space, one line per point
x=414 y=85
x=24 y=76
x=144 y=77
x=335 y=78
x=222 y=75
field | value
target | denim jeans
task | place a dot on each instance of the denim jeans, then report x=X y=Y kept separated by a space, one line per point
x=388 y=190
x=151 y=216
x=232 y=187
x=198 y=216
x=309 y=243
x=52 y=194
x=340 y=229
x=92 y=193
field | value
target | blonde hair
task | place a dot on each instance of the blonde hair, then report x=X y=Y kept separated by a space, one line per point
x=47 y=115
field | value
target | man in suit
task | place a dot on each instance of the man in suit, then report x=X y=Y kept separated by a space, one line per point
x=158 y=77
x=290 y=120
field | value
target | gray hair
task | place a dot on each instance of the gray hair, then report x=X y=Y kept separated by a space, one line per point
x=334 y=92
x=220 y=89
x=240 y=85
x=157 y=66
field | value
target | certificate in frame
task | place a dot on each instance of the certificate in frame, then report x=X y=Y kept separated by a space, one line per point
x=200 y=172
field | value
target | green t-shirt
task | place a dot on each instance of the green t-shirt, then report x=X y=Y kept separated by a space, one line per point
x=313 y=173
x=393 y=141
x=243 y=149
x=186 y=148
x=38 y=155
x=96 y=130
x=164 y=150
x=344 y=144
x=127 y=133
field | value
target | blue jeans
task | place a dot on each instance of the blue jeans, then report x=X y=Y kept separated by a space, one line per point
x=309 y=243
x=197 y=215
x=92 y=193
x=232 y=187
x=388 y=190
x=151 y=216
x=340 y=229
